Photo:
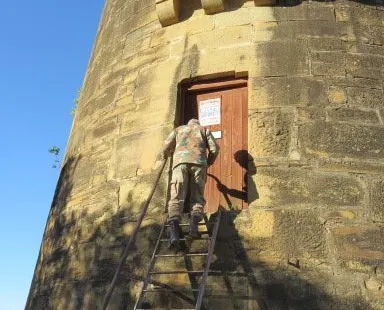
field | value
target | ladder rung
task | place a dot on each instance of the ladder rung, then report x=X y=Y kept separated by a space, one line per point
x=201 y=232
x=184 y=239
x=169 y=290
x=187 y=224
x=177 y=272
x=181 y=255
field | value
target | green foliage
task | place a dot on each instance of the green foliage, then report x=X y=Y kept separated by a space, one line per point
x=76 y=102
x=55 y=151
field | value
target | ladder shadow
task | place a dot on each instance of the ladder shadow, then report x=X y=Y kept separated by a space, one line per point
x=233 y=265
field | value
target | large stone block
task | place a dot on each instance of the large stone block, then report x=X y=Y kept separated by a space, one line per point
x=148 y=113
x=369 y=34
x=197 y=24
x=101 y=102
x=244 y=16
x=376 y=205
x=299 y=235
x=285 y=91
x=269 y=133
x=221 y=37
x=362 y=48
x=328 y=63
x=147 y=58
x=293 y=187
x=368 y=66
x=80 y=175
x=350 y=81
x=312 y=113
x=290 y=235
x=305 y=12
x=155 y=80
x=105 y=129
x=365 y=97
x=135 y=21
x=326 y=44
x=138 y=41
x=281 y=58
x=354 y=115
x=236 y=58
x=352 y=165
x=308 y=29
x=325 y=140
x=359 y=247
x=137 y=151
x=363 y=15
x=264 y=31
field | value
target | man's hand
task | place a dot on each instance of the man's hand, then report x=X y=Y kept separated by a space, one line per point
x=210 y=160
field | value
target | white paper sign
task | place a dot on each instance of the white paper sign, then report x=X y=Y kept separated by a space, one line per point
x=216 y=134
x=210 y=112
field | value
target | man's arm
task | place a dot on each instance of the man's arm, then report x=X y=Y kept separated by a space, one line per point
x=169 y=145
x=213 y=147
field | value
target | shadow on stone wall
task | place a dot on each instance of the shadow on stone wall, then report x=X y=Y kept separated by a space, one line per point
x=51 y=256
x=236 y=281
x=249 y=192
x=73 y=274
x=298 y=2
x=78 y=276
x=80 y=253
x=189 y=7
x=245 y=283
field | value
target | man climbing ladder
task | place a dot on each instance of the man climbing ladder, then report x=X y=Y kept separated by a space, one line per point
x=189 y=145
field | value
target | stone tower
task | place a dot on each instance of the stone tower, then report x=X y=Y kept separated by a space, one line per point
x=310 y=234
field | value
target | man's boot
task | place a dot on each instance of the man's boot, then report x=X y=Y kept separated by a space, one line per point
x=194 y=227
x=174 y=235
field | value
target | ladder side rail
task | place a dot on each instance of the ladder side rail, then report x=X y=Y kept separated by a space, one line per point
x=151 y=265
x=208 y=264
x=132 y=239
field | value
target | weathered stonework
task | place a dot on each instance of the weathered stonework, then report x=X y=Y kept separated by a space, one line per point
x=212 y=6
x=312 y=237
x=168 y=11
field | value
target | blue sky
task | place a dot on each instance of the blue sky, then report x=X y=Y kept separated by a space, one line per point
x=45 y=49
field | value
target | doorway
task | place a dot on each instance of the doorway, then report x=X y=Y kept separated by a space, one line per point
x=222 y=106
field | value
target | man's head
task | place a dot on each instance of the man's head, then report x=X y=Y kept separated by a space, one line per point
x=193 y=121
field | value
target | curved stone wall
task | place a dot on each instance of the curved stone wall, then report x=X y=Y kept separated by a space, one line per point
x=313 y=236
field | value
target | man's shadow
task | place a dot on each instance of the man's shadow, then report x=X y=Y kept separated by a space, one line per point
x=232 y=263
x=232 y=268
x=249 y=192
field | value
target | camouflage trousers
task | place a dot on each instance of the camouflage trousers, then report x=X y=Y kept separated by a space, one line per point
x=187 y=177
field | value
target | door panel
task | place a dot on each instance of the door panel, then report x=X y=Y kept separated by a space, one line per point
x=226 y=184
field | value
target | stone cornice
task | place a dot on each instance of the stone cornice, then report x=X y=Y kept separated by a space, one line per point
x=168 y=10
x=212 y=6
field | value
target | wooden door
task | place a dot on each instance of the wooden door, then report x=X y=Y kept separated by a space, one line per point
x=226 y=181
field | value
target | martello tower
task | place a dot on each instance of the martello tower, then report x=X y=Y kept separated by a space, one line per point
x=299 y=90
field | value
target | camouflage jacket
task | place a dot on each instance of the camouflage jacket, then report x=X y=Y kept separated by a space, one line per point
x=189 y=144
